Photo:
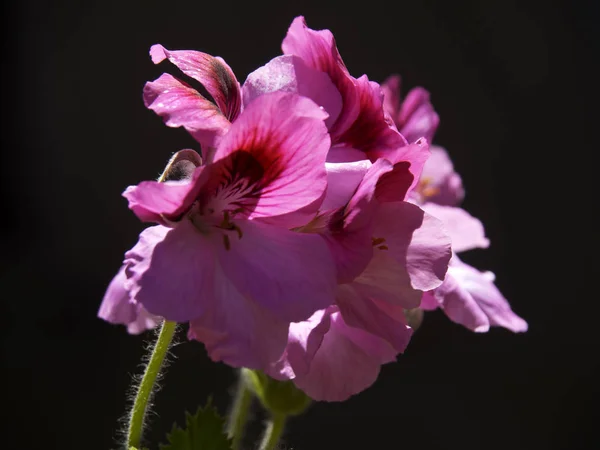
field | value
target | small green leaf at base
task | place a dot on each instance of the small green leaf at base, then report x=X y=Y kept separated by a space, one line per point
x=205 y=430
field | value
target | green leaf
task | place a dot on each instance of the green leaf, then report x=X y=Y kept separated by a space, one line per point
x=203 y=431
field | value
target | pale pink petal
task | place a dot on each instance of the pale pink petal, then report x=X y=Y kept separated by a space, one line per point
x=289 y=73
x=170 y=271
x=212 y=72
x=237 y=330
x=155 y=201
x=347 y=362
x=416 y=240
x=180 y=105
x=304 y=340
x=119 y=308
x=465 y=231
x=408 y=164
x=278 y=146
x=343 y=179
x=318 y=50
x=480 y=286
x=359 y=311
x=291 y=274
x=417 y=118
x=391 y=95
x=439 y=182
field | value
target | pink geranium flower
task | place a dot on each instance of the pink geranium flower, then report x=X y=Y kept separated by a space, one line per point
x=223 y=257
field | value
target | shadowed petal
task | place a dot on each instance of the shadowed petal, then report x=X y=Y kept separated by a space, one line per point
x=417 y=118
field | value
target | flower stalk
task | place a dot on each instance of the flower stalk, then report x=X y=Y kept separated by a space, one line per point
x=146 y=386
x=273 y=432
x=239 y=412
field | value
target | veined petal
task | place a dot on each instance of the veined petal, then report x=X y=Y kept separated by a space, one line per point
x=318 y=50
x=212 y=72
x=153 y=201
x=180 y=105
x=291 y=274
x=465 y=231
x=236 y=329
x=416 y=240
x=278 y=146
x=417 y=118
x=289 y=73
x=347 y=362
x=171 y=271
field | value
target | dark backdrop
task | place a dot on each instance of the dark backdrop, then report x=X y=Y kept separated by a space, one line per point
x=512 y=82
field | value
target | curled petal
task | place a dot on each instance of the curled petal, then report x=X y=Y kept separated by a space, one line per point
x=417 y=118
x=212 y=72
x=180 y=105
x=289 y=73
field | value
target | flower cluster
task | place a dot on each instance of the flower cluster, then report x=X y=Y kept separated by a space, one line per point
x=309 y=226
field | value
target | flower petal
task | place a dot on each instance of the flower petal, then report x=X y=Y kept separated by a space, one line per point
x=182 y=106
x=343 y=179
x=278 y=145
x=289 y=73
x=347 y=362
x=465 y=231
x=417 y=118
x=442 y=185
x=318 y=50
x=416 y=240
x=291 y=274
x=212 y=72
x=171 y=271
x=391 y=95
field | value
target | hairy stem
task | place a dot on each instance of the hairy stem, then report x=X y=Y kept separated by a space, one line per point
x=273 y=432
x=144 y=391
x=239 y=412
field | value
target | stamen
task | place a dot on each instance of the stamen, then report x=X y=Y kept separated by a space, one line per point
x=377 y=241
x=226 y=242
x=383 y=247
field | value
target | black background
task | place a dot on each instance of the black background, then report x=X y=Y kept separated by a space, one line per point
x=513 y=84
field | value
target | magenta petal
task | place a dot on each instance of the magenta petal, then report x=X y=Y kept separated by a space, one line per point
x=118 y=307
x=291 y=274
x=371 y=133
x=318 y=50
x=359 y=311
x=212 y=72
x=347 y=362
x=279 y=144
x=408 y=164
x=391 y=95
x=465 y=231
x=480 y=286
x=182 y=106
x=237 y=330
x=440 y=183
x=289 y=73
x=304 y=340
x=171 y=271
x=154 y=201
x=417 y=118
x=416 y=240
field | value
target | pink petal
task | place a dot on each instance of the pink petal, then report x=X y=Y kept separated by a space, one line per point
x=289 y=73
x=465 y=231
x=318 y=50
x=417 y=118
x=291 y=274
x=279 y=145
x=439 y=182
x=416 y=240
x=346 y=363
x=119 y=308
x=371 y=133
x=182 y=106
x=480 y=287
x=343 y=179
x=171 y=271
x=304 y=340
x=391 y=95
x=237 y=330
x=212 y=72
x=154 y=201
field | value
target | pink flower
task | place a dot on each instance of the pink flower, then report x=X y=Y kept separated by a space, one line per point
x=223 y=256
x=467 y=296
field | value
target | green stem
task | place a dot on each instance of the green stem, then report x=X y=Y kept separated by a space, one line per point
x=239 y=412
x=273 y=432
x=144 y=392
